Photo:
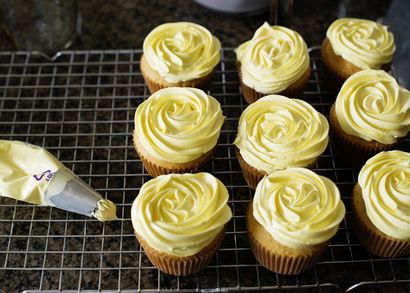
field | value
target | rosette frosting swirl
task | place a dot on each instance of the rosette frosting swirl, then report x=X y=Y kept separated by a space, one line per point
x=178 y=124
x=372 y=106
x=385 y=184
x=276 y=132
x=364 y=43
x=273 y=59
x=298 y=207
x=181 y=51
x=180 y=214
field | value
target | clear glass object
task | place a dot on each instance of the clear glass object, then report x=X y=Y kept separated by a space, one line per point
x=46 y=26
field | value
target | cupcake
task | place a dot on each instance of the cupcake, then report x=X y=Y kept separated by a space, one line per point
x=352 y=45
x=381 y=204
x=276 y=133
x=180 y=220
x=179 y=54
x=176 y=130
x=371 y=114
x=292 y=217
x=274 y=61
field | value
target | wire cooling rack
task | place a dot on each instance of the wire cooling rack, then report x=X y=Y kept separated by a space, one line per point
x=81 y=108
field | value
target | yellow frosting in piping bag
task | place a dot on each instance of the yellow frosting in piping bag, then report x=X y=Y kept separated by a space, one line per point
x=276 y=132
x=372 y=106
x=364 y=43
x=178 y=124
x=385 y=184
x=30 y=173
x=181 y=51
x=180 y=214
x=298 y=207
x=273 y=59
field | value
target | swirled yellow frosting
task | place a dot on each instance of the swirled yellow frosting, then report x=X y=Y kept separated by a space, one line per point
x=178 y=124
x=298 y=207
x=181 y=51
x=276 y=132
x=385 y=184
x=273 y=59
x=180 y=214
x=372 y=106
x=364 y=43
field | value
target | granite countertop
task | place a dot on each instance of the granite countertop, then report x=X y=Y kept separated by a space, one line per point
x=123 y=24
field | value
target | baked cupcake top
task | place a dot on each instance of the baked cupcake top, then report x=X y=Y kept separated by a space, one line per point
x=385 y=184
x=371 y=105
x=178 y=124
x=364 y=43
x=276 y=132
x=181 y=51
x=180 y=214
x=273 y=59
x=298 y=207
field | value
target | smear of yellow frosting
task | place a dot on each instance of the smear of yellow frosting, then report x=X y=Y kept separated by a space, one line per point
x=372 y=106
x=385 y=184
x=105 y=211
x=180 y=214
x=181 y=51
x=273 y=59
x=276 y=132
x=178 y=124
x=364 y=43
x=298 y=207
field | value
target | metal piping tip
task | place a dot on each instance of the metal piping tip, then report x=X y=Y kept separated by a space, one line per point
x=68 y=192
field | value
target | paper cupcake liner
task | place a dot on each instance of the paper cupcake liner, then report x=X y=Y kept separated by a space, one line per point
x=354 y=150
x=252 y=175
x=155 y=169
x=336 y=69
x=154 y=85
x=293 y=91
x=182 y=266
x=370 y=237
x=278 y=261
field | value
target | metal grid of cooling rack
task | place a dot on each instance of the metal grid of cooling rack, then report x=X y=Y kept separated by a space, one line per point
x=81 y=108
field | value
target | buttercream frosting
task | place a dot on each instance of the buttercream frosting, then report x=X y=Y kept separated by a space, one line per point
x=364 y=43
x=372 y=106
x=273 y=59
x=181 y=51
x=178 y=124
x=180 y=214
x=385 y=185
x=276 y=132
x=298 y=208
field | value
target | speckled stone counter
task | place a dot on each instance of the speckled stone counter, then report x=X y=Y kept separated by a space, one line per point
x=124 y=24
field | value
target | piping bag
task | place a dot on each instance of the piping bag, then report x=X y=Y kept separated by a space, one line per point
x=30 y=173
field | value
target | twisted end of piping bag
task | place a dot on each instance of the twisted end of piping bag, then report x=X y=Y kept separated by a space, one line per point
x=68 y=192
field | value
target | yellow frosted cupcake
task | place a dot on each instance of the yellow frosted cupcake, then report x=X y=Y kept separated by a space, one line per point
x=179 y=54
x=381 y=204
x=274 y=61
x=371 y=114
x=292 y=217
x=276 y=133
x=180 y=220
x=176 y=130
x=353 y=44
